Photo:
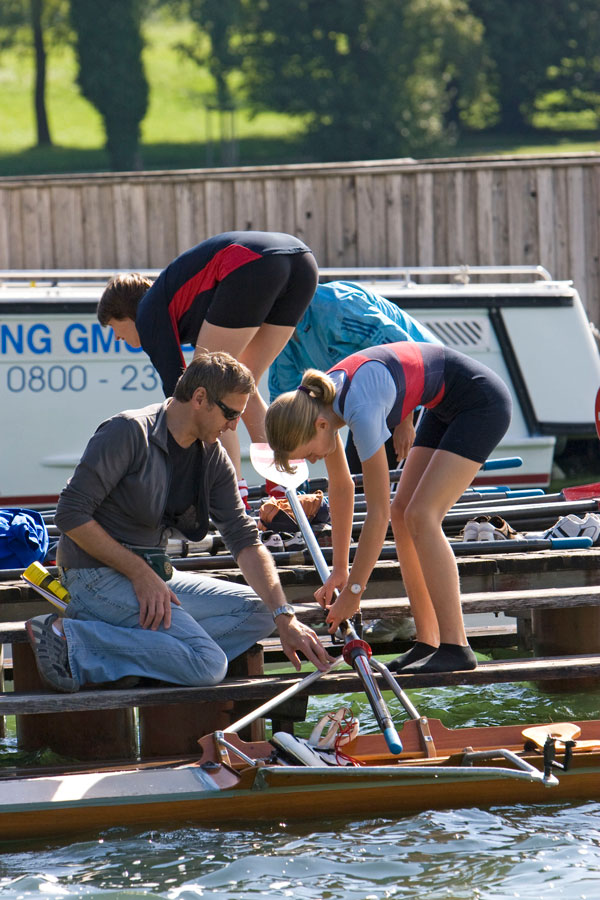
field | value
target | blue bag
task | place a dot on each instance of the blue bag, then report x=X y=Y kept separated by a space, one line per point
x=23 y=538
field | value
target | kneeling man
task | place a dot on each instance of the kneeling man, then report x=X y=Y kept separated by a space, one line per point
x=144 y=473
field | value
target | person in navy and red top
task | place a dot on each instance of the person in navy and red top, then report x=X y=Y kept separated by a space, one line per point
x=374 y=393
x=242 y=291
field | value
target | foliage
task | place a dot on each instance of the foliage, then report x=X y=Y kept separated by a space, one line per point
x=218 y=20
x=111 y=74
x=539 y=47
x=176 y=126
x=376 y=78
x=15 y=23
x=574 y=77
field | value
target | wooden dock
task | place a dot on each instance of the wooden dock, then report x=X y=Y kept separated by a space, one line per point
x=100 y=723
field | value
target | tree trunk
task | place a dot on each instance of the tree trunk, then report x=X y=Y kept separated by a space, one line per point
x=41 y=117
x=512 y=118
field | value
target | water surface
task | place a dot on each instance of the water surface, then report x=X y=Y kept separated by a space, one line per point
x=528 y=852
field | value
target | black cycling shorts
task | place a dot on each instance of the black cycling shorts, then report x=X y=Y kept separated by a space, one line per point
x=276 y=289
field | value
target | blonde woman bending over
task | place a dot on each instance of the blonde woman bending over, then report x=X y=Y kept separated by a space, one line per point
x=375 y=392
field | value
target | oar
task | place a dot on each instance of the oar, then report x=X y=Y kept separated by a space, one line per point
x=508 y=462
x=284 y=695
x=321 y=483
x=356 y=651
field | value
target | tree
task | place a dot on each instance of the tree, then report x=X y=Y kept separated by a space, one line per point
x=371 y=77
x=573 y=79
x=214 y=46
x=41 y=117
x=35 y=23
x=537 y=47
x=111 y=75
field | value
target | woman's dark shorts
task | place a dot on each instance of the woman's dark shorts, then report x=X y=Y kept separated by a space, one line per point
x=474 y=413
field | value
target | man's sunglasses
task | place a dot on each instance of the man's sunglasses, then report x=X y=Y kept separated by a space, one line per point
x=228 y=411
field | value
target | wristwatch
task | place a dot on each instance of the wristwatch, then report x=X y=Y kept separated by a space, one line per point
x=285 y=610
x=356 y=589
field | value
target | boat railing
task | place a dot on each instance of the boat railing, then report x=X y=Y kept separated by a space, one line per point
x=461 y=274
x=71 y=278
x=403 y=771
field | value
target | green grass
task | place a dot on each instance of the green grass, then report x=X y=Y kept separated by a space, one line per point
x=178 y=130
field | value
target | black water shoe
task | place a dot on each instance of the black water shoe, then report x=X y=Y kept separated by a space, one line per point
x=447 y=658
x=418 y=651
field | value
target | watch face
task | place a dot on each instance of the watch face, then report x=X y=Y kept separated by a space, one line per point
x=284 y=611
x=356 y=588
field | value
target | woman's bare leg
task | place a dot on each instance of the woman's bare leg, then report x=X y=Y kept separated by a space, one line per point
x=259 y=353
x=442 y=482
x=232 y=340
x=256 y=347
x=410 y=566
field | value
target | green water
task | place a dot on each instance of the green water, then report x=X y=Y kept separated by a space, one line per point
x=517 y=851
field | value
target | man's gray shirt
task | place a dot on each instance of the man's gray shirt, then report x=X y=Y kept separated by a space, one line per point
x=122 y=482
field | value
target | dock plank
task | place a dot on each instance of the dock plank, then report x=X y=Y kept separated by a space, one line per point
x=264 y=688
x=398 y=608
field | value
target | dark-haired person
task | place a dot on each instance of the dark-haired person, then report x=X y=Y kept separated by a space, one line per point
x=241 y=291
x=468 y=410
x=144 y=473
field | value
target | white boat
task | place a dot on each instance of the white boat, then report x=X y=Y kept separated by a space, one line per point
x=62 y=373
x=285 y=780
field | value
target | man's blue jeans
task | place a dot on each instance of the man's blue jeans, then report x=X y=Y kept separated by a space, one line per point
x=215 y=623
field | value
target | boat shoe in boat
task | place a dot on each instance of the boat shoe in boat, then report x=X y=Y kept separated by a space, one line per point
x=51 y=654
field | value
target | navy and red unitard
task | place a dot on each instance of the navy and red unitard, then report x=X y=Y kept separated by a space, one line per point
x=468 y=407
x=238 y=279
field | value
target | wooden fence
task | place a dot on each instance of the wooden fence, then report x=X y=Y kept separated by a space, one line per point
x=498 y=210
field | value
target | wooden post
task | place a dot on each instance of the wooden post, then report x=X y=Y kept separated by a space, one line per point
x=174 y=730
x=566 y=632
x=93 y=735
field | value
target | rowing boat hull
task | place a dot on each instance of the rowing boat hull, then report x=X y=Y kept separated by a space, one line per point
x=78 y=803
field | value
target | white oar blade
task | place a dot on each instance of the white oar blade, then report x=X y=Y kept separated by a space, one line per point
x=261 y=457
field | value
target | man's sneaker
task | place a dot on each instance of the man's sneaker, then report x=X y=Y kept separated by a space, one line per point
x=51 y=654
x=574 y=526
x=273 y=540
x=485 y=532
x=293 y=541
x=382 y=630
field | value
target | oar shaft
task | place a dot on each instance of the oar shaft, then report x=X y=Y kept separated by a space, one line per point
x=308 y=534
x=508 y=462
x=359 y=657
x=279 y=698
